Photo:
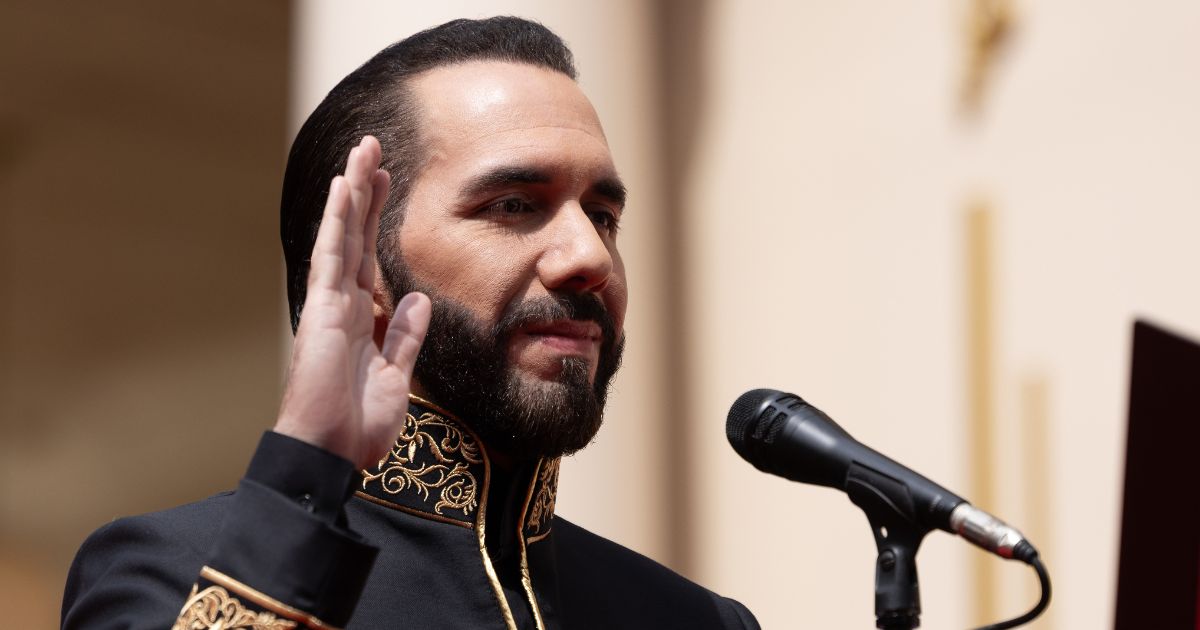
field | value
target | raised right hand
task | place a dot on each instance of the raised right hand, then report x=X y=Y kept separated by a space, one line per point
x=345 y=394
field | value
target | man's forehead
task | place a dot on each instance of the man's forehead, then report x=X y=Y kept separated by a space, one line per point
x=478 y=98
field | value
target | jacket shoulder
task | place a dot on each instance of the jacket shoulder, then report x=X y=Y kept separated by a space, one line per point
x=130 y=571
x=591 y=564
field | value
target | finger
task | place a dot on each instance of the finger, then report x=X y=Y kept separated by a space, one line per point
x=325 y=265
x=379 y=194
x=352 y=240
x=406 y=331
x=360 y=169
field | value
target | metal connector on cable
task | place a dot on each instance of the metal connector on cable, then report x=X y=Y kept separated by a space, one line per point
x=990 y=533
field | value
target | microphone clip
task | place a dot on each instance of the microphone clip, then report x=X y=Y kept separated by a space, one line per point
x=890 y=510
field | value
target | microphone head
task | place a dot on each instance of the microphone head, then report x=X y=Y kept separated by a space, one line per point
x=781 y=434
x=755 y=421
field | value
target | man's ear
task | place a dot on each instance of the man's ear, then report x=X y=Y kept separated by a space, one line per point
x=383 y=309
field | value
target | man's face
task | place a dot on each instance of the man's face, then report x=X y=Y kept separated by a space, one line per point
x=511 y=227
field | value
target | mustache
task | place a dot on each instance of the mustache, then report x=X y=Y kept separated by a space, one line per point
x=558 y=306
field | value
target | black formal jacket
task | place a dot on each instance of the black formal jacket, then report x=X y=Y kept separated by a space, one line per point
x=433 y=537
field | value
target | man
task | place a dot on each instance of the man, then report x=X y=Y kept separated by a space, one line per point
x=495 y=216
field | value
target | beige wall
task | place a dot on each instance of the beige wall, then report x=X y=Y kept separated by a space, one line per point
x=140 y=153
x=830 y=257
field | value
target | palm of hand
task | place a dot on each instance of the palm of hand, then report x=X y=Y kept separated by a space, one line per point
x=344 y=393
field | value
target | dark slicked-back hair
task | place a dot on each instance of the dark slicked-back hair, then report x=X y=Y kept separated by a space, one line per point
x=376 y=100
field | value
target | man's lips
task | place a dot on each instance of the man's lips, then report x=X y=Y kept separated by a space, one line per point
x=571 y=336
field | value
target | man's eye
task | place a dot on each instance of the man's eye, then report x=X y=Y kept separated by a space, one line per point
x=512 y=205
x=604 y=219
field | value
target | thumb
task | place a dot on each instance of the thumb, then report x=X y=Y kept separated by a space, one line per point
x=406 y=332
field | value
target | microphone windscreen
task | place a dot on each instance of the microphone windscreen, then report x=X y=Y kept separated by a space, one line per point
x=744 y=424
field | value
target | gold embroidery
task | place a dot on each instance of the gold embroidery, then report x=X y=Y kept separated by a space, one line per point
x=545 y=481
x=481 y=535
x=262 y=600
x=543 y=505
x=454 y=481
x=213 y=608
x=414 y=511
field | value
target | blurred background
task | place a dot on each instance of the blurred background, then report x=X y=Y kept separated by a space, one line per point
x=934 y=220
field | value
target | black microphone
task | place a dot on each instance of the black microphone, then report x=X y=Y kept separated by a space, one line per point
x=781 y=434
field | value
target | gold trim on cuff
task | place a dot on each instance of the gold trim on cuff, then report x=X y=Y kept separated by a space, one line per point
x=224 y=582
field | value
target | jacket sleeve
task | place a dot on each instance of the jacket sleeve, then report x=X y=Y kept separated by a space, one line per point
x=281 y=558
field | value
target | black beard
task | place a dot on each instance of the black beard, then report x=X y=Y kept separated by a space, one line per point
x=463 y=366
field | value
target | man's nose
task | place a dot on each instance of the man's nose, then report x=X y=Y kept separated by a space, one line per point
x=576 y=258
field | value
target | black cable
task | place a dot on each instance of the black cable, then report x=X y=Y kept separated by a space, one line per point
x=1044 y=578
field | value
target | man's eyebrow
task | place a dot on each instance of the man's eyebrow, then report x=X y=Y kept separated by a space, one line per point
x=502 y=177
x=612 y=189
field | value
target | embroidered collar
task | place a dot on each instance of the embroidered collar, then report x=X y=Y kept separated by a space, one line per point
x=438 y=469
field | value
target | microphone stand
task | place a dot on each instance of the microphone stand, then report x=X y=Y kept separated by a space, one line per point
x=890 y=510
